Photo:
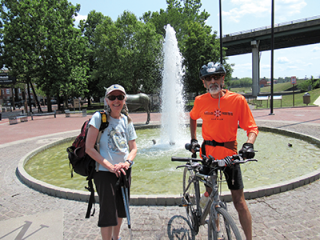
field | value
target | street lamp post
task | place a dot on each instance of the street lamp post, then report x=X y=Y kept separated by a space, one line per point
x=220 y=23
x=272 y=50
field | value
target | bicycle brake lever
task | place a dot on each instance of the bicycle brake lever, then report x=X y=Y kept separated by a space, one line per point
x=181 y=166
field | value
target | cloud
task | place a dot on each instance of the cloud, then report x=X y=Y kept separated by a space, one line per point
x=265 y=66
x=290 y=7
x=316 y=49
x=244 y=8
x=293 y=67
x=282 y=60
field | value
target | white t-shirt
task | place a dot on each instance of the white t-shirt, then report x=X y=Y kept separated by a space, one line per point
x=114 y=140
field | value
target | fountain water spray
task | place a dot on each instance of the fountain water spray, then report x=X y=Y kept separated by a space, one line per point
x=173 y=117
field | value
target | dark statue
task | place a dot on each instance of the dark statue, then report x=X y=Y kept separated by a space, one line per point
x=140 y=100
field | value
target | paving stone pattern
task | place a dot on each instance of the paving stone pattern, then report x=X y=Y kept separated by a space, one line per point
x=290 y=215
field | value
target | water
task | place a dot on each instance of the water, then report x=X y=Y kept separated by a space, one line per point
x=172 y=106
x=154 y=173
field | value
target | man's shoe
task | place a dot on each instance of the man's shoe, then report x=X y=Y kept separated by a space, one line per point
x=220 y=236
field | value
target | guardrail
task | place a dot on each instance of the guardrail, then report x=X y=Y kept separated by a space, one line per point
x=266 y=98
x=276 y=25
x=14 y=120
x=68 y=112
x=54 y=113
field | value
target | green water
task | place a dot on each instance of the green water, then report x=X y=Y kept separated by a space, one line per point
x=154 y=173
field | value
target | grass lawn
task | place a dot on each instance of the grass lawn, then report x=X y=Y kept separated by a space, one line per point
x=287 y=100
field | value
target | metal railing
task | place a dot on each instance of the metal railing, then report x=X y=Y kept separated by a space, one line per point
x=276 y=25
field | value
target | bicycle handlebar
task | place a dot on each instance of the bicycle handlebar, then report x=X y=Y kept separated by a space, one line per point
x=183 y=159
x=211 y=162
x=188 y=146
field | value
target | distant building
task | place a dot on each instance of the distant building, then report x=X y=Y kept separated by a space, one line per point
x=263 y=83
x=7 y=94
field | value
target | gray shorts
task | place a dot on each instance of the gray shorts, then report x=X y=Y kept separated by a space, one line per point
x=110 y=198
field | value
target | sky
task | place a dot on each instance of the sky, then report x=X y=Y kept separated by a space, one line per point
x=237 y=16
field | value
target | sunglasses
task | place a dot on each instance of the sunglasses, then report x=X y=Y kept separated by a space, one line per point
x=215 y=77
x=113 y=97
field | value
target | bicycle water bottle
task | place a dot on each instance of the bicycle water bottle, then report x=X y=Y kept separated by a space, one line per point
x=204 y=199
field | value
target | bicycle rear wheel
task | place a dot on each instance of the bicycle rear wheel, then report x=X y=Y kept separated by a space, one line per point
x=228 y=228
x=189 y=198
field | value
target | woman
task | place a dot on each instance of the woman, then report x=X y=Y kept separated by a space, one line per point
x=117 y=151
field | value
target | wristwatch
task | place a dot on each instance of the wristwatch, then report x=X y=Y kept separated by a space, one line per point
x=130 y=162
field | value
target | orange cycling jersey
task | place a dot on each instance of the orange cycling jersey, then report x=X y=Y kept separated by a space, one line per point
x=220 y=123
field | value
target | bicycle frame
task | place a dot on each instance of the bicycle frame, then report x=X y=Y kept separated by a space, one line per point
x=214 y=198
x=214 y=207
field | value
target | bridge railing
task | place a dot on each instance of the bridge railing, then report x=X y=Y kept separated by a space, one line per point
x=276 y=25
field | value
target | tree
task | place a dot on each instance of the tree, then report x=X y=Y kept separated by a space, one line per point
x=201 y=47
x=178 y=16
x=39 y=42
x=88 y=29
x=128 y=53
x=197 y=44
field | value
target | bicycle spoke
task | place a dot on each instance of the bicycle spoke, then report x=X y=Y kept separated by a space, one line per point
x=225 y=226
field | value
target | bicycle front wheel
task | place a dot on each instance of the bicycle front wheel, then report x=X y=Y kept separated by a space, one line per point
x=189 y=197
x=223 y=226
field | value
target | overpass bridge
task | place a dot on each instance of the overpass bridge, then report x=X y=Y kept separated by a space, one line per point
x=289 y=34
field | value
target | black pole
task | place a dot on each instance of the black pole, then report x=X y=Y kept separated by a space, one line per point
x=220 y=21
x=272 y=50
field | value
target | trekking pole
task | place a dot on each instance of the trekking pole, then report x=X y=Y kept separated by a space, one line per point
x=126 y=201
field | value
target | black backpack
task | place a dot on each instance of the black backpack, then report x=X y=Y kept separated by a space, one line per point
x=81 y=162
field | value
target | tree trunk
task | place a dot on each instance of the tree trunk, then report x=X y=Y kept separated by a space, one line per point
x=36 y=98
x=49 y=102
x=29 y=97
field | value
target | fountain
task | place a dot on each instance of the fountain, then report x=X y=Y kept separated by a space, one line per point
x=154 y=173
x=173 y=117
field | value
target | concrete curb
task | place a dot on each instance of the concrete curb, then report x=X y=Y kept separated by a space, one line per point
x=166 y=200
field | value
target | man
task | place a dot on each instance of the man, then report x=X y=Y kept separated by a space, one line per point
x=221 y=112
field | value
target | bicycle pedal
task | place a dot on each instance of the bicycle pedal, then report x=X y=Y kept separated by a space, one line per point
x=185 y=204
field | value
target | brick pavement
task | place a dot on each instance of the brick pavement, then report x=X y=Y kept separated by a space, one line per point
x=290 y=215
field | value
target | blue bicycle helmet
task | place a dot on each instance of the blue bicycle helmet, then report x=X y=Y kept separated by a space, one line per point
x=211 y=69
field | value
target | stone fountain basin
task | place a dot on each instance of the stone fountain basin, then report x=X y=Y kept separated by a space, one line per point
x=170 y=199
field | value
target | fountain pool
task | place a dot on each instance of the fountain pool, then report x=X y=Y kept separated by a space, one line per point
x=154 y=173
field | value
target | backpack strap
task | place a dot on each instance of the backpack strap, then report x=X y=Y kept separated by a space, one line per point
x=103 y=126
x=92 y=201
x=104 y=121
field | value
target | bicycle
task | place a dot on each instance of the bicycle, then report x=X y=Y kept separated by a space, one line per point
x=205 y=170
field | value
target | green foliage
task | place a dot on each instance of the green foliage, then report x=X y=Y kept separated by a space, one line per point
x=200 y=48
x=304 y=85
x=240 y=83
x=88 y=28
x=196 y=42
x=128 y=52
x=40 y=42
x=178 y=16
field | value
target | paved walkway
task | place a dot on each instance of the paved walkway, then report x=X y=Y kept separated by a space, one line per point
x=28 y=214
